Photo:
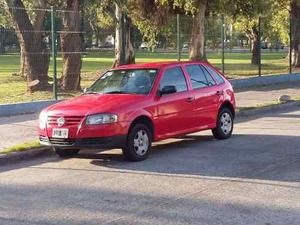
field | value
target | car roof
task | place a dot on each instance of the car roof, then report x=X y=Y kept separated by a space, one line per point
x=156 y=65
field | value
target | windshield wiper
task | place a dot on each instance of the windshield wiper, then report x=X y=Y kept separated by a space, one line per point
x=91 y=93
x=115 y=92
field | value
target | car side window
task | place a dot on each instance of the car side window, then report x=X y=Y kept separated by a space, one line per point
x=217 y=76
x=197 y=76
x=211 y=81
x=174 y=77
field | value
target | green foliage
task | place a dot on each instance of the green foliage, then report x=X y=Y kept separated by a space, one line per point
x=100 y=13
x=5 y=20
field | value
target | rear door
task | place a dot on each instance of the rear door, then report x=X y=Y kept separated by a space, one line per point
x=174 y=110
x=205 y=105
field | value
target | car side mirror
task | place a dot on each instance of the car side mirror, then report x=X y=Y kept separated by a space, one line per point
x=168 y=90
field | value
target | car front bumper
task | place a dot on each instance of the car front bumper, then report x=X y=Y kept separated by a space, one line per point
x=98 y=143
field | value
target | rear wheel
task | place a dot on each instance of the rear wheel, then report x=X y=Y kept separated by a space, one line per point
x=65 y=152
x=138 y=143
x=224 y=124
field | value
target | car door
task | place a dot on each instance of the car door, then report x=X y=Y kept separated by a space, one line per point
x=205 y=104
x=173 y=110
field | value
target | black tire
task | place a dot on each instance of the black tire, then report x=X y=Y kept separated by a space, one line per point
x=138 y=153
x=220 y=132
x=65 y=152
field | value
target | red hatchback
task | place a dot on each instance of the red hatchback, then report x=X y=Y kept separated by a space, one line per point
x=131 y=106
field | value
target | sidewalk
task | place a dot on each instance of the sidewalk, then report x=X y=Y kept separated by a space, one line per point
x=257 y=96
x=19 y=129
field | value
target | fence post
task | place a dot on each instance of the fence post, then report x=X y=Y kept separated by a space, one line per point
x=178 y=38
x=291 y=43
x=259 y=46
x=223 y=43
x=54 y=52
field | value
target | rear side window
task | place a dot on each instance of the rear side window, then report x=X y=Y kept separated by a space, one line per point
x=174 y=77
x=197 y=76
x=217 y=76
x=211 y=81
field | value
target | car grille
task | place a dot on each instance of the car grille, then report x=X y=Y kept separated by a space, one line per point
x=69 y=120
x=57 y=141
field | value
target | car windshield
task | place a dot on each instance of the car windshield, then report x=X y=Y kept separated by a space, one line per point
x=134 y=81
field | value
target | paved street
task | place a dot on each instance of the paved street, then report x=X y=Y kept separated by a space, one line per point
x=253 y=178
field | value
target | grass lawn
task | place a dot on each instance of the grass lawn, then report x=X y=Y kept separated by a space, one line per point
x=13 y=87
x=21 y=147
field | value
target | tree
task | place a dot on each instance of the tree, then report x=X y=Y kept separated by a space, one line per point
x=101 y=17
x=295 y=17
x=71 y=46
x=124 y=51
x=153 y=16
x=197 y=48
x=113 y=14
x=4 y=24
x=245 y=16
x=34 y=54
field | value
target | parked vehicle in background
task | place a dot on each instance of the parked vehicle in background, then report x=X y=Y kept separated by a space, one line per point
x=268 y=45
x=144 y=46
x=131 y=106
x=185 y=47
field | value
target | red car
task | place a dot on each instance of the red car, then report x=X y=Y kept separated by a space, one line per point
x=131 y=106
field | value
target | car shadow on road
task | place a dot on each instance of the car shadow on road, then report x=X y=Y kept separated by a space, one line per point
x=252 y=152
x=265 y=157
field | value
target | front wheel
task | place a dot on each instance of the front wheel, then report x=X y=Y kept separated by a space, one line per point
x=224 y=124
x=138 y=143
x=65 y=152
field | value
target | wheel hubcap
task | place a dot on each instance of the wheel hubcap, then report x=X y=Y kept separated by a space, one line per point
x=226 y=123
x=141 y=142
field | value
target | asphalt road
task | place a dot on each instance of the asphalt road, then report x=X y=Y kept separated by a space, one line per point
x=253 y=178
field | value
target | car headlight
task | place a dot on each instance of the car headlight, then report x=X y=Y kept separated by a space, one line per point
x=101 y=119
x=43 y=120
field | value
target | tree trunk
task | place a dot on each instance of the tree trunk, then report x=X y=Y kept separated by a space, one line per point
x=2 y=40
x=35 y=55
x=197 y=45
x=22 y=62
x=71 y=47
x=295 y=14
x=124 y=50
x=255 y=50
x=253 y=35
x=97 y=33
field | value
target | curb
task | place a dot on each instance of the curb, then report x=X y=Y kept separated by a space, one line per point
x=240 y=117
x=24 y=155
x=264 y=80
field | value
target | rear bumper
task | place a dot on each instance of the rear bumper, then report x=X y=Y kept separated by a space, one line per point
x=101 y=143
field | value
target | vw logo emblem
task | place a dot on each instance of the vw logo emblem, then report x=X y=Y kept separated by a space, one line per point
x=60 y=121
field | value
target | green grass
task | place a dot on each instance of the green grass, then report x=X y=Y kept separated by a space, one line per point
x=21 y=147
x=13 y=87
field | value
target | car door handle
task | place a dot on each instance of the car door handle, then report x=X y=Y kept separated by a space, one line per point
x=219 y=93
x=190 y=99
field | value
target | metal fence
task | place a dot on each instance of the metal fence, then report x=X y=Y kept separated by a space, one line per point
x=226 y=47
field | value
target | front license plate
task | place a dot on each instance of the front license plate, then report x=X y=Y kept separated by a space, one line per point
x=60 y=133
